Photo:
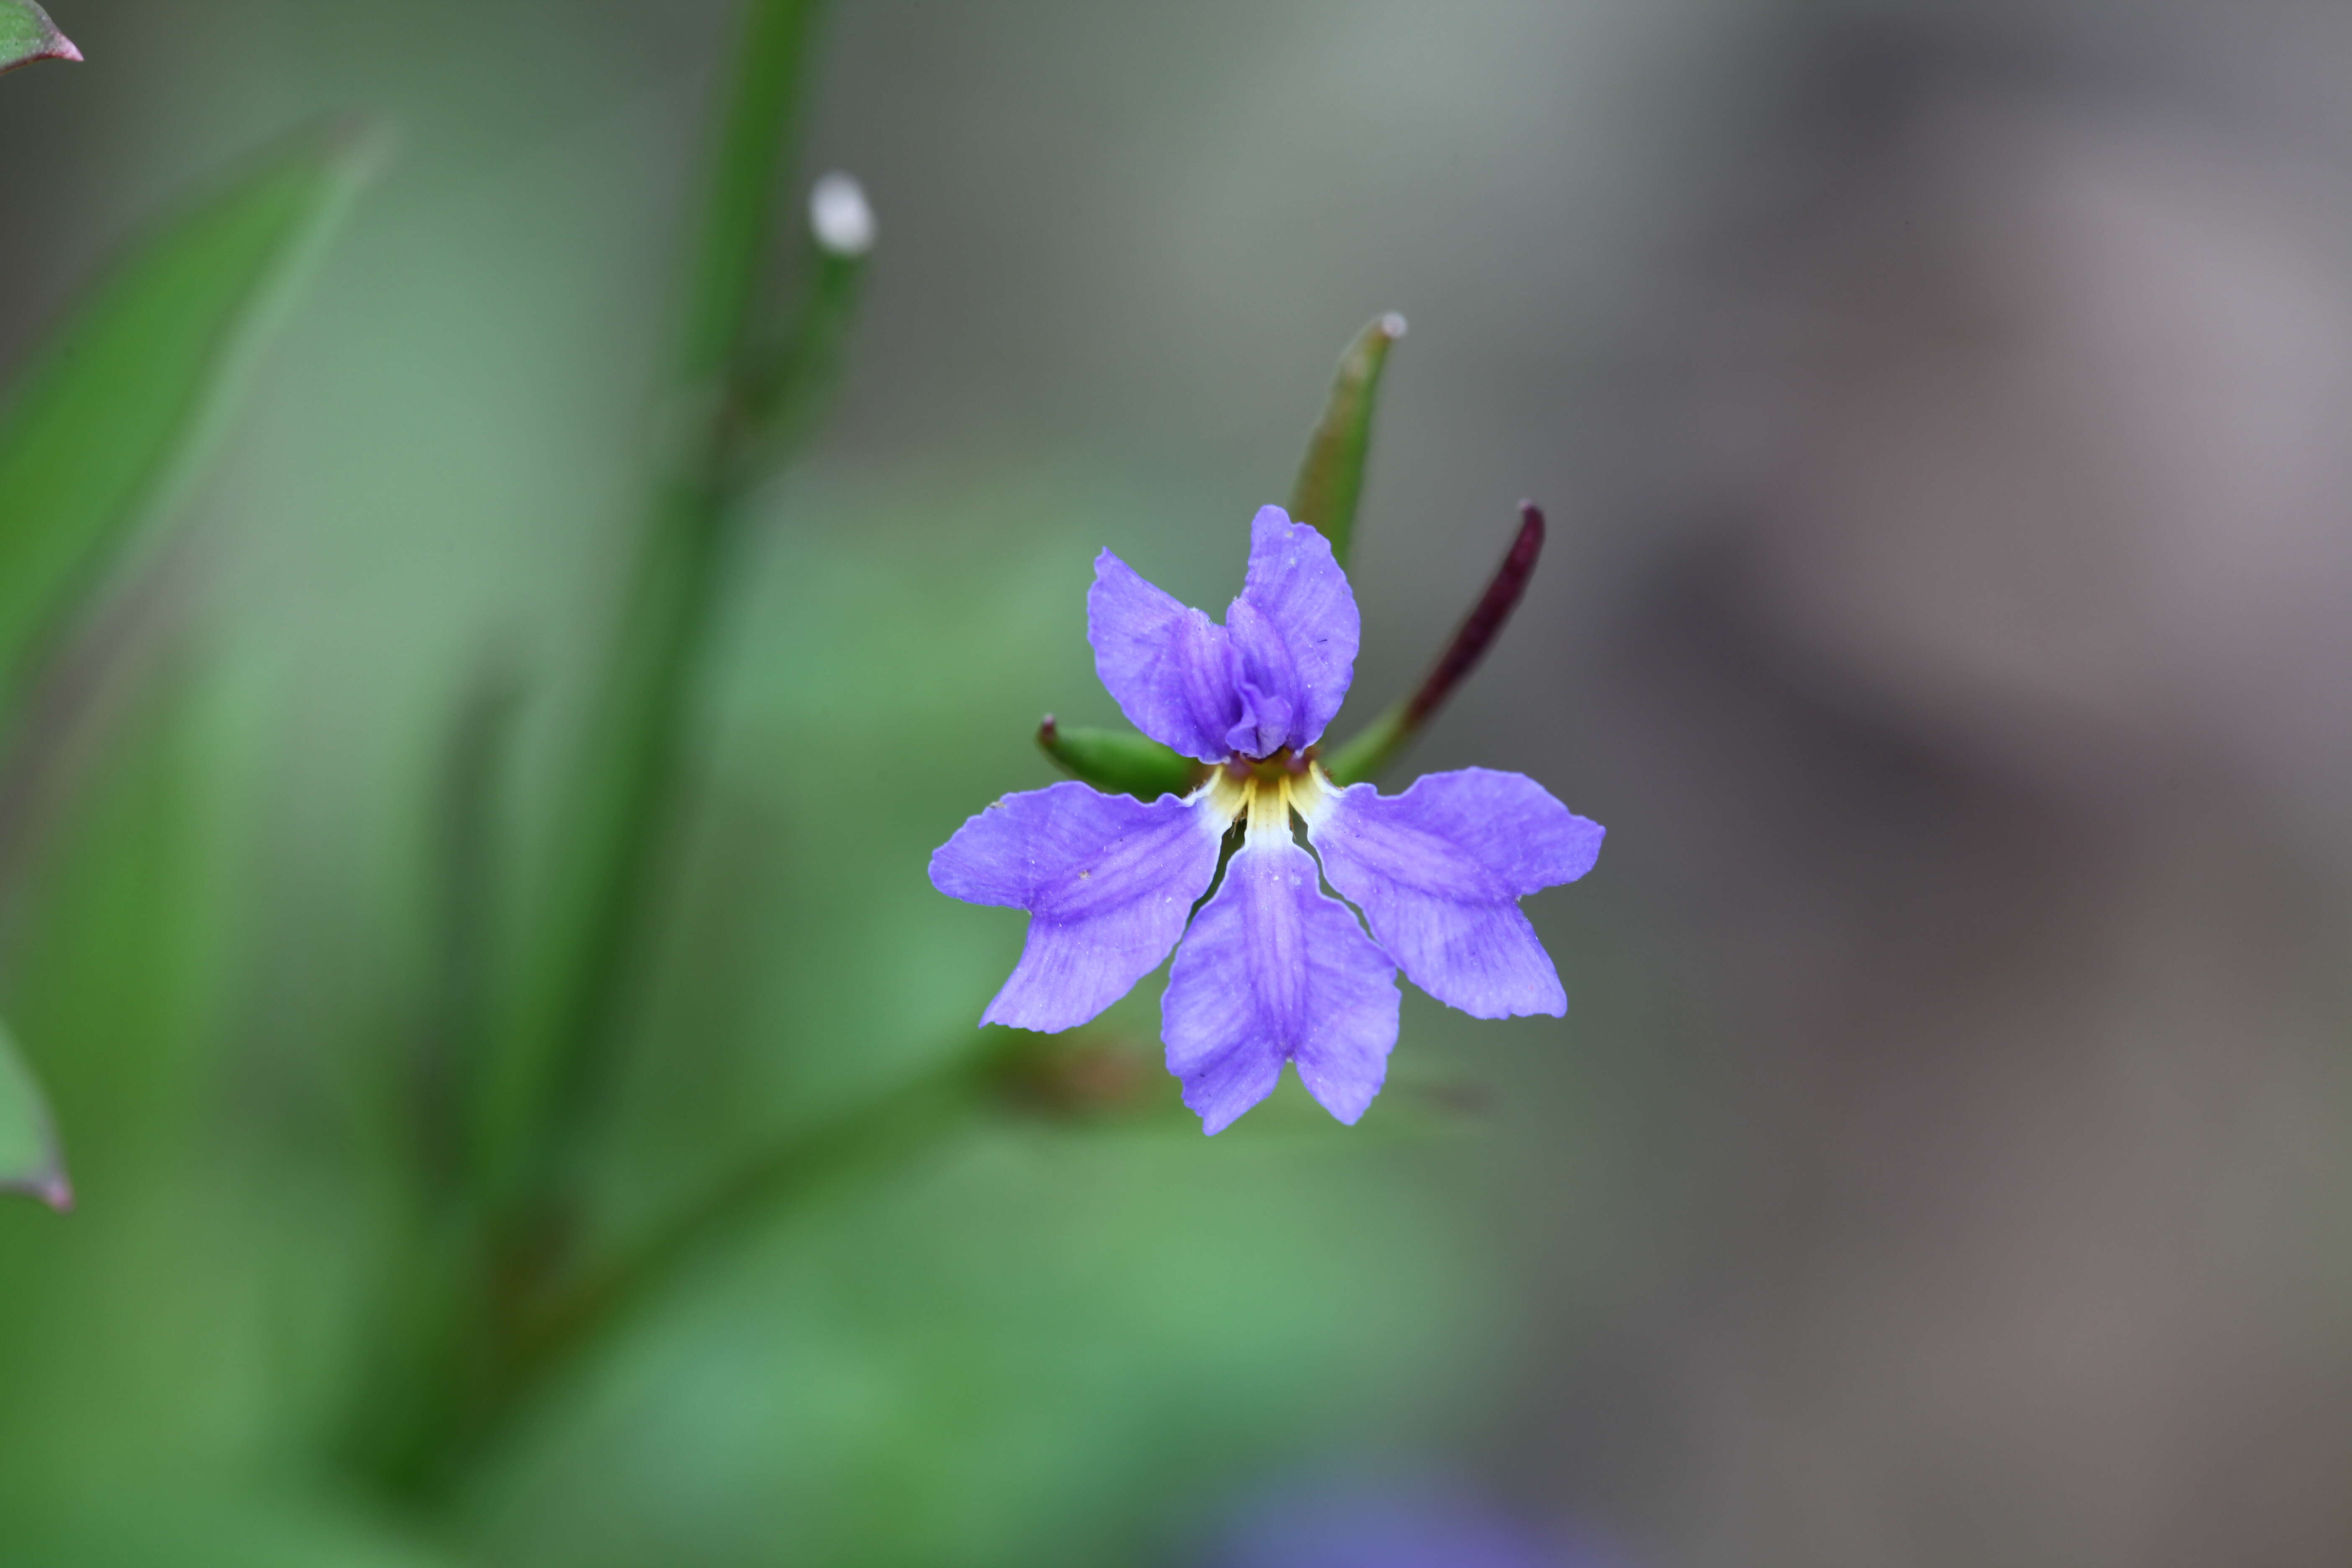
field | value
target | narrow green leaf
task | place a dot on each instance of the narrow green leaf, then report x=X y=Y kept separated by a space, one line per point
x=1118 y=759
x=31 y=1161
x=117 y=406
x=27 y=35
x=126 y=393
x=1332 y=478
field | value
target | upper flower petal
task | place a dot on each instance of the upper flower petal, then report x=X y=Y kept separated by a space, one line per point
x=1439 y=871
x=1274 y=970
x=1169 y=668
x=1107 y=881
x=1294 y=626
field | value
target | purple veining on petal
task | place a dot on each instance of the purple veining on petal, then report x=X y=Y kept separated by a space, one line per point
x=1107 y=881
x=1276 y=970
x=1439 y=871
x=1294 y=626
x=1272 y=676
x=1169 y=668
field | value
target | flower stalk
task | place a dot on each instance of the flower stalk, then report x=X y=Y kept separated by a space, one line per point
x=578 y=988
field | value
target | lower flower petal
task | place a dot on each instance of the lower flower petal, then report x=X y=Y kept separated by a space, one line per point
x=1439 y=871
x=1108 y=881
x=1274 y=970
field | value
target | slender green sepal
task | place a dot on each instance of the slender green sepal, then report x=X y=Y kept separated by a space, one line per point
x=128 y=394
x=1372 y=750
x=789 y=385
x=30 y=1160
x=1118 y=759
x=27 y=35
x=1331 y=477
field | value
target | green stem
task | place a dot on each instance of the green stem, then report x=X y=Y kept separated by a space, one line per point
x=740 y=221
x=618 y=825
x=486 y=1332
x=877 y=1137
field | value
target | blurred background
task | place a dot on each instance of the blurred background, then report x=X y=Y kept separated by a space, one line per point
x=1942 y=411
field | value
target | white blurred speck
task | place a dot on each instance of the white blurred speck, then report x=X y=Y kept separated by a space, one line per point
x=840 y=217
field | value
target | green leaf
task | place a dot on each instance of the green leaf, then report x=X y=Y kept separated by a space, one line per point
x=27 y=35
x=1332 y=478
x=117 y=406
x=1118 y=759
x=30 y=1161
x=125 y=394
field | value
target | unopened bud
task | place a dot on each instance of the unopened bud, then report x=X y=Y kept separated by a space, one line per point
x=840 y=217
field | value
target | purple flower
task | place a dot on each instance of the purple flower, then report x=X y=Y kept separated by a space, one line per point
x=1385 y=1521
x=1273 y=970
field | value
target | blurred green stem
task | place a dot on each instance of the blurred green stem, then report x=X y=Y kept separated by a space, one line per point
x=788 y=385
x=879 y=1136
x=490 y=1316
x=449 y=1048
x=617 y=826
x=482 y=1331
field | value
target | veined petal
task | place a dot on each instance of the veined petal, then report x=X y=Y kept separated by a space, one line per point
x=1108 y=881
x=1439 y=871
x=1274 y=970
x=1294 y=626
x=1169 y=668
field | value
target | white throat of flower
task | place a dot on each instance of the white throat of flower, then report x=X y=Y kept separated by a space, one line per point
x=1266 y=797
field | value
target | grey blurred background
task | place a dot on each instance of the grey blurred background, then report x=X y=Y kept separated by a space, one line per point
x=1942 y=411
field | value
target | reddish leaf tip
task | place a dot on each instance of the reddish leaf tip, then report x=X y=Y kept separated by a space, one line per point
x=1478 y=630
x=31 y=36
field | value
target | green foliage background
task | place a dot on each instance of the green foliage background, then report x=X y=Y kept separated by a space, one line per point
x=1048 y=1338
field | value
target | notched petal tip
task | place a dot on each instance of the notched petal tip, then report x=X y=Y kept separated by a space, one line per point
x=1108 y=881
x=1274 y=970
x=1439 y=871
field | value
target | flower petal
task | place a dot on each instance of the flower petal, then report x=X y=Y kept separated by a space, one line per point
x=1169 y=668
x=1273 y=970
x=1294 y=626
x=1439 y=871
x=1107 y=881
